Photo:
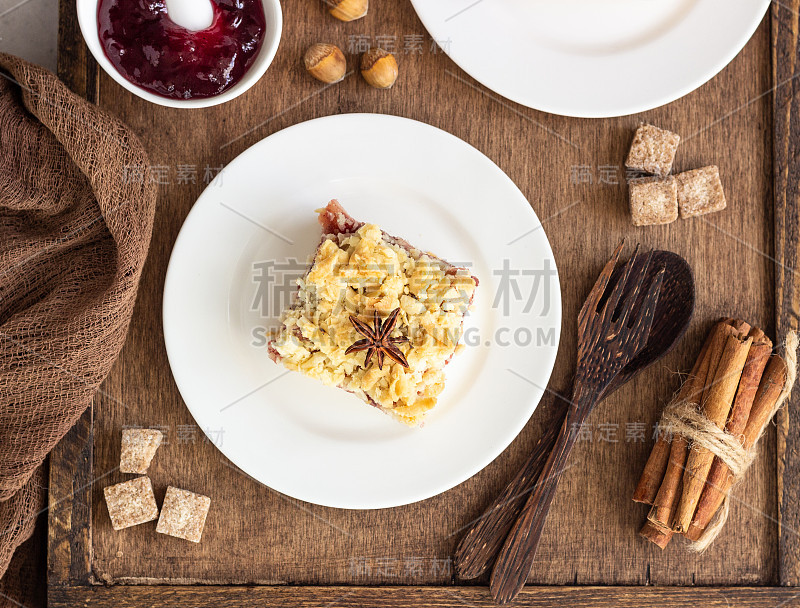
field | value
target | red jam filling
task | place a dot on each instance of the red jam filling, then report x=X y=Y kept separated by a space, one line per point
x=155 y=53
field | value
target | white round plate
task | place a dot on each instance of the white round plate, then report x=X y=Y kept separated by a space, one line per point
x=255 y=225
x=591 y=58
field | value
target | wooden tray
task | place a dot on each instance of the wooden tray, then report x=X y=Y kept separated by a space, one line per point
x=260 y=546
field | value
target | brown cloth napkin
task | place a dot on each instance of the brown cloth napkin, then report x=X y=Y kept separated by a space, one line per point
x=74 y=232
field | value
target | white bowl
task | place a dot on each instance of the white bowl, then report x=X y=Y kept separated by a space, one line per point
x=87 y=18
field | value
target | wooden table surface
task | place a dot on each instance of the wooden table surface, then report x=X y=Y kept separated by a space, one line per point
x=572 y=172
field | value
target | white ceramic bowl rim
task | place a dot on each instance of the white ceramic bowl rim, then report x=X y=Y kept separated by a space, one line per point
x=546 y=69
x=87 y=18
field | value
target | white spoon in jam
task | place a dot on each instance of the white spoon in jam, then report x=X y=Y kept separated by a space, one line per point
x=194 y=15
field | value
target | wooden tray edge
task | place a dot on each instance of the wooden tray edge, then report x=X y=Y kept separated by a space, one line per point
x=70 y=579
x=440 y=597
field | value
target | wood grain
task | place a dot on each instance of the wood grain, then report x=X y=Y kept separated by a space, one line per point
x=69 y=529
x=75 y=64
x=69 y=498
x=786 y=147
x=422 y=597
x=254 y=535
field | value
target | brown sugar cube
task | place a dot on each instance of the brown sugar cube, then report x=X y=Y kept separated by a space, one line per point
x=700 y=192
x=183 y=514
x=138 y=448
x=653 y=150
x=131 y=503
x=654 y=200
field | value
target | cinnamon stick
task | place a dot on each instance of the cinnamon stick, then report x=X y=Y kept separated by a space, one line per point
x=656 y=465
x=712 y=493
x=665 y=502
x=654 y=470
x=656 y=535
x=669 y=492
x=769 y=389
x=717 y=402
x=757 y=359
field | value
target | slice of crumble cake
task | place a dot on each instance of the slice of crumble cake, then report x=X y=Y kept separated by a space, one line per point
x=375 y=316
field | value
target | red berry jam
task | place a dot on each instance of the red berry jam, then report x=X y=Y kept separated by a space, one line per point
x=155 y=53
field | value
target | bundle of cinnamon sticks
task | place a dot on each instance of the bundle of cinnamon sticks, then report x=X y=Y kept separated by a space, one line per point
x=735 y=385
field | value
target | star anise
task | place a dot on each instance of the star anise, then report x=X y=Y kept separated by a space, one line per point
x=377 y=341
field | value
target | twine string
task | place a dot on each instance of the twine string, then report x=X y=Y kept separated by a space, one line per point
x=683 y=418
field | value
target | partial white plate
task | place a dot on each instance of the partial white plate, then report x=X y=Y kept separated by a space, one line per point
x=590 y=58
x=321 y=444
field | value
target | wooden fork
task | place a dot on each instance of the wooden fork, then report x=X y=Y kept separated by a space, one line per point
x=610 y=334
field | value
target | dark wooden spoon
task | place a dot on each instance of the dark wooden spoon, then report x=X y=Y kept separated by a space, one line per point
x=485 y=537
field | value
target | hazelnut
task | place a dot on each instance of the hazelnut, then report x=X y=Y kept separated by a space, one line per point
x=325 y=62
x=379 y=68
x=348 y=10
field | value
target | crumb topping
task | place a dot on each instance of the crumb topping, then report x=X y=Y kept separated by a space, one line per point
x=357 y=274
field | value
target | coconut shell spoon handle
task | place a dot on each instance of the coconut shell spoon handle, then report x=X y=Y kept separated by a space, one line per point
x=610 y=335
x=516 y=556
x=484 y=536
